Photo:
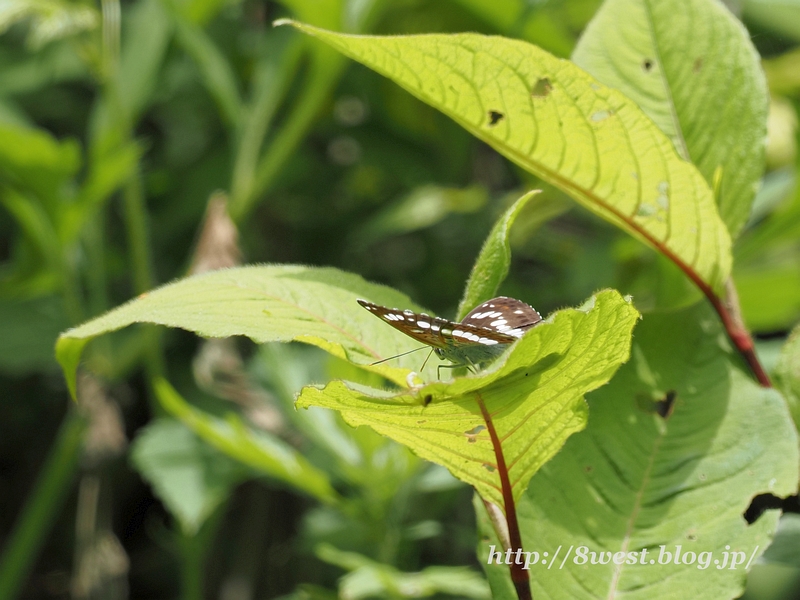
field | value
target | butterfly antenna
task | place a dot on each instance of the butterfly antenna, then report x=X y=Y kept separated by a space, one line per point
x=397 y=356
x=426 y=361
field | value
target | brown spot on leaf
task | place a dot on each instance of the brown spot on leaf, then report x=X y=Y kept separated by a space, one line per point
x=542 y=88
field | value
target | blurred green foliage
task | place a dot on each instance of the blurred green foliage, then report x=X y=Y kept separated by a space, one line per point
x=118 y=122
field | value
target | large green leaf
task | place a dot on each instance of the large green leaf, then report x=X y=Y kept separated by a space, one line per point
x=635 y=481
x=558 y=122
x=265 y=303
x=690 y=65
x=534 y=397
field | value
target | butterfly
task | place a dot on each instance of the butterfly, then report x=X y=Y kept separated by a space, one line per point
x=483 y=335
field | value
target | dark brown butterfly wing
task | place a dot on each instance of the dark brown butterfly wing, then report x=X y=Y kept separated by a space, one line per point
x=421 y=327
x=505 y=315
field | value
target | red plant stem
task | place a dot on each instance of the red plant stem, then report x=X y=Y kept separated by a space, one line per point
x=738 y=335
x=519 y=576
x=731 y=320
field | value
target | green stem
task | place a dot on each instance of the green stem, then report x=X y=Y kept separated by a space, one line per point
x=194 y=549
x=326 y=66
x=96 y=280
x=270 y=87
x=42 y=507
x=191 y=568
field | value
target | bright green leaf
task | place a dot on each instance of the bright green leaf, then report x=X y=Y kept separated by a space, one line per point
x=690 y=65
x=265 y=303
x=556 y=121
x=260 y=451
x=190 y=477
x=534 y=396
x=635 y=481
x=491 y=267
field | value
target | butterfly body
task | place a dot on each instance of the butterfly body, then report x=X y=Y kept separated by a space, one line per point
x=483 y=335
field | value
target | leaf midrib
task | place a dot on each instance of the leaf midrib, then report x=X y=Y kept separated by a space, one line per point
x=637 y=506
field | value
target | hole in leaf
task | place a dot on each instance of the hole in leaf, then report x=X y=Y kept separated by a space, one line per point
x=489 y=467
x=495 y=117
x=654 y=402
x=542 y=88
x=472 y=434
x=761 y=504
x=663 y=408
x=647 y=65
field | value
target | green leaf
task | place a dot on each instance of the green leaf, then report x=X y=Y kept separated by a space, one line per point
x=635 y=480
x=50 y=19
x=370 y=579
x=33 y=159
x=423 y=207
x=491 y=267
x=557 y=122
x=783 y=549
x=534 y=396
x=787 y=373
x=265 y=303
x=258 y=450
x=690 y=65
x=190 y=477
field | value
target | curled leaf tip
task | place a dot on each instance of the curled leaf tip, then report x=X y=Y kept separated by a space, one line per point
x=281 y=22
